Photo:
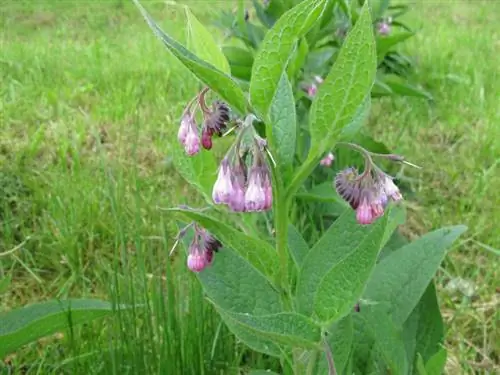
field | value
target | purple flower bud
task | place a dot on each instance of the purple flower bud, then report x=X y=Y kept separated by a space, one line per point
x=312 y=90
x=364 y=214
x=255 y=197
x=384 y=28
x=206 y=139
x=223 y=189
x=196 y=260
x=327 y=160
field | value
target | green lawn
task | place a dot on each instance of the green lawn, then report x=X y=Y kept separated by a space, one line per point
x=89 y=110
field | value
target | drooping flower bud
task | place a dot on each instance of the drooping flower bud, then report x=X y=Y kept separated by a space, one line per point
x=237 y=203
x=268 y=192
x=312 y=89
x=390 y=189
x=196 y=260
x=217 y=118
x=327 y=160
x=383 y=28
x=364 y=213
x=186 y=123
x=206 y=139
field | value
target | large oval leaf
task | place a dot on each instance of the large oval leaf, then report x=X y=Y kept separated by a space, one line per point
x=347 y=85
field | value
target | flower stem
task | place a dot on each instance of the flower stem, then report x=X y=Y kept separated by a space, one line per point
x=281 y=227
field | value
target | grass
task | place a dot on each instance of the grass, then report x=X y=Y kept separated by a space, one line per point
x=90 y=102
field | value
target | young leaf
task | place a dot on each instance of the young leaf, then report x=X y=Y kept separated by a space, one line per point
x=385 y=43
x=240 y=61
x=24 y=325
x=218 y=81
x=343 y=239
x=346 y=87
x=343 y=284
x=401 y=278
x=276 y=48
x=436 y=363
x=203 y=44
x=388 y=337
x=257 y=252
x=282 y=123
x=286 y=328
x=199 y=171
x=430 y=331
x=339 y=338
x=297 y=245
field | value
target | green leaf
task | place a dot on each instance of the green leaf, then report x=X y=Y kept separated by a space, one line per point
x=435 y=365
x=346 y=87
x=266 y=19
x=401 y=278
x=218 y=81
x=360 y=117
x=24 y=325
x=257 y=252
x=252 y=340
x=388 y=337
x=343 y=240
x=203 y=44
x=298 y=59
x=340 y=337
x=235 y=286
x=275 y=50
x=430 y=330
x=287 y=328
x=297 y=245
x=282 y=125
x=342 y=286
x=385 y=43
x=324 y=192
x=421 y=366
x=199 y=171
x=262 y=372
x=240 y=61
x=401 y=87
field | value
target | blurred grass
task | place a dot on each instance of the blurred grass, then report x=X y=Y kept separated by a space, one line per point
x=90 y=103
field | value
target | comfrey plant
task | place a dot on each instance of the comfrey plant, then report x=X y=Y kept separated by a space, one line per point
x=355 y=297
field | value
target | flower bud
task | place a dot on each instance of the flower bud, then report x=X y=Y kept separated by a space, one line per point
x=206 y=139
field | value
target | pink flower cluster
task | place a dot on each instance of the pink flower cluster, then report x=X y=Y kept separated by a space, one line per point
x=201 y=250
x=214 y=122
x=241 y=190
x=367 y=193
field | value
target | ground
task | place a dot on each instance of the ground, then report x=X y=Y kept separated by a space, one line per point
x=90 y=103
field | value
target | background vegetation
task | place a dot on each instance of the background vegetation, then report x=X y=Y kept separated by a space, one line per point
x=89 y=108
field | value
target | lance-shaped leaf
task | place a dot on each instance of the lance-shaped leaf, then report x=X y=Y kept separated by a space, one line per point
x=343 y=284
x=259 y=253
x=388 y=337
x=22 y=326
x=283 y=122
x=199 y=171
x=203 y=44
x=347 y=85
x=339 y=338
x=343 y=239
x=275 y=51
x=400 y=279
x=286 y=328
x=218 y=81
x=297 y=245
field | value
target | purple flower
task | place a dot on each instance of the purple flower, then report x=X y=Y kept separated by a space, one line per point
x=196 y=260
x=364 y=213
x=217 y=118
x=268 y=192
x=187 y=120
x=327 y=160
x=390 y=189
x=312 y=89
x=223 y=190
x=383 y=28
x=237 y=203
x=255 y=196
x=192 y=141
